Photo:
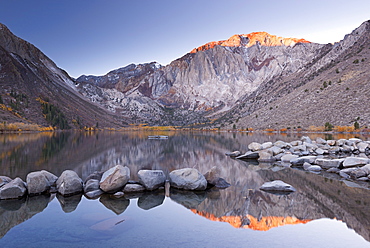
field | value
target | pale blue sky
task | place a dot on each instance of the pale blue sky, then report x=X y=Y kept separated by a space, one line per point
x=93 y=37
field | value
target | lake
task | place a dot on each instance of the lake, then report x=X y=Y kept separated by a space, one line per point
x=325 y=211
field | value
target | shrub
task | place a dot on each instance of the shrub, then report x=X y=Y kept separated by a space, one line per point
x=355 y=61
x=356 y=125
x=328 y=126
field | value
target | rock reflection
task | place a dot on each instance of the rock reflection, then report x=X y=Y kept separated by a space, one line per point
x=116 y=205
x=14 y=212
x=189 y=199
x=69 y=203
x=242 y=204
x=150 y=200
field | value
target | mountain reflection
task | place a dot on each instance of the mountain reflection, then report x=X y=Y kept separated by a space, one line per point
x=242 y=205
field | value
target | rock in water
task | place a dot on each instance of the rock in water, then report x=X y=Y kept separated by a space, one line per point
x=278 y=186
x=188 y=179
x=13 y=190
x=233 y=154
x=4 y=180
x=355 y=161
x=213 y=178
x=151 y=179
x=115 y=178
x=69 y=183
x=40 y=181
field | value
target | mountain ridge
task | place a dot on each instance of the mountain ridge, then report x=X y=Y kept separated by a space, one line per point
x=251 y=39
x=247 y=81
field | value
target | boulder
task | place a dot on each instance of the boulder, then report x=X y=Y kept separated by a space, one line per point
x=302 y=160
x=333 y=170
x=249 y=155
x=281 y=144
x=151 y=179
x=358 y=173
x=321 y=141
x=233 y=154
x=213 y=178
x=188 y=179
x=13 y=190
x=254 y=146
x=319 y=151
x=114 y=179
x=69 y=183
x=94 y=194
x=306 y=139
x=329 y=163
x=277 y=185
x=266 y=156
x=344 y=175
x=288 y=157
x=306 y=165
x=4 y=180
x=266 y=145
x=95 y=175
x=296 y=143
x=91 y=185
x=366 y=168
x=340 y=142
x=314 y=168
x=40 y=181
x=355 y=161
x=361 y=146
x=133 y=188
x=275 y=150
x=355 y=140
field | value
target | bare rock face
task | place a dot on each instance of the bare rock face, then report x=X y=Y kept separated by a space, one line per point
x=208 y=80
x=13 y=190
x=188 y=179
x=115 y=178
x=69 y=183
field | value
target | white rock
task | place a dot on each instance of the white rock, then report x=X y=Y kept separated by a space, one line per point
x=277 y=185
x=355 y=161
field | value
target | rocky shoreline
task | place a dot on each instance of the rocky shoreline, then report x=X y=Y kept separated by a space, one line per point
x=347 y=157
x=115 y=181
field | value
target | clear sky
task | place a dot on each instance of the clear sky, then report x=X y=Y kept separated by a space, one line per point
x=93 y=37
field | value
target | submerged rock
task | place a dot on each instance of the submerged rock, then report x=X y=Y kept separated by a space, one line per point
x=277 y=185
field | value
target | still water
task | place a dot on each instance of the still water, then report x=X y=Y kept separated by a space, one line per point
x=325 y=211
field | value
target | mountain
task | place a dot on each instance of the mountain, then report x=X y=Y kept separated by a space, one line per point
x=333 y=88
x=34 y=90
x=252 y=80
x=203 y=83
x=255 y=80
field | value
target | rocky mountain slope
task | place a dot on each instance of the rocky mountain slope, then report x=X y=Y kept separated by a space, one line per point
x=252 y=80
x=209 y=80
x=34 y=90
x=335 y=88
